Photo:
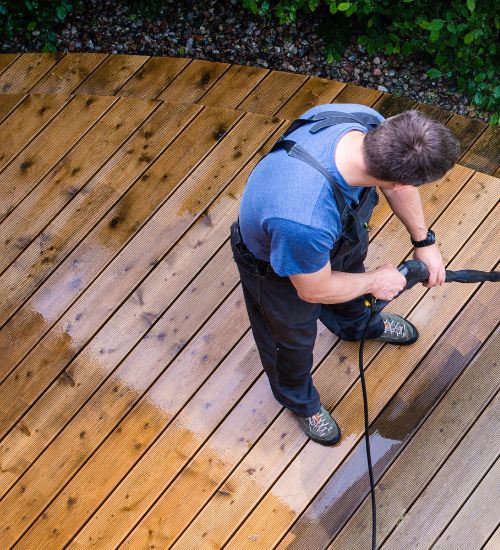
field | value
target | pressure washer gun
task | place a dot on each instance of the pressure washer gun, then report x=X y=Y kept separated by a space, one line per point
x=415 y=271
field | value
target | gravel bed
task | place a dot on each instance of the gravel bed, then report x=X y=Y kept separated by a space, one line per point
x=224 y=31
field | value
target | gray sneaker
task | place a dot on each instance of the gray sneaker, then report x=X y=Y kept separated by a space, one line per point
x=398 y=330
x=321 y=427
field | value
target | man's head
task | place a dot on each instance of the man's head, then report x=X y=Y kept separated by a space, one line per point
x=410 y=148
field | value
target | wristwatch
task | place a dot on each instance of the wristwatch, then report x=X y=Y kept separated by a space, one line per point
x=430 y=239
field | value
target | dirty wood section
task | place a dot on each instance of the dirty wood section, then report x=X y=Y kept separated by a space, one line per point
x=125 y=338
x=248 y=88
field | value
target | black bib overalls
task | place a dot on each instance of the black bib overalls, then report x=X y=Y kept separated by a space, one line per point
x=283 y=325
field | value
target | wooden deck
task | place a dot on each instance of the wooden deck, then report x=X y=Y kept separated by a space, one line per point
x=134 y=410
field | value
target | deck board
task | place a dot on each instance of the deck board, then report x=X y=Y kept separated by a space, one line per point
x=131 y=346
x=25 y=71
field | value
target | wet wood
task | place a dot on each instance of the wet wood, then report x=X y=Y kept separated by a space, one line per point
x=209 y=521
x=194 y=81
x=111 y=75
x=357 y=94
x=233 y=86
x=7 y=59
x=26 y=71
x=33 y=163
x=314 y=92
x=466 y=130
x=287 y=498
x=483 y=155
x=389 y=105
x=25 y=122
x=475 y=521
x=452 y=484
x=155 y=75
x=68 y=177
x=437 y=113
x=272 y=92
x=8 y=102
x=66 y=75
x=429 y=449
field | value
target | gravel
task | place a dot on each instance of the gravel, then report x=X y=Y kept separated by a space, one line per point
x=224 y=31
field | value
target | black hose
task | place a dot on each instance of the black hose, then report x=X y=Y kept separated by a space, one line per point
x=367 y=435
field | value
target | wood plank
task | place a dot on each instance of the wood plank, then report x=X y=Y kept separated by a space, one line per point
x=249 y=139
x=233 y=86
x=8 y=102
x=475 y=521
x=315 y=91
x=130 y=212
x=389 y=105
x=69 y=176
x=484 y=154
x=272 y=92
x=7 y=59
x=444 y=495
x=26 y=71
x=62 y=132
x=153 y=77
x=111 y=75
x=494 y=542
x=357 y=94
x=68 y=73
x=437 y=113
x=466 y=130
x=287 y=497
x=25 y=122
x=497 y=173
x=194 y=81
x=208 y=521
x=429 y=448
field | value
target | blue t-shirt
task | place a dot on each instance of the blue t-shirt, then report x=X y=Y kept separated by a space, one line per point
x=288 y=213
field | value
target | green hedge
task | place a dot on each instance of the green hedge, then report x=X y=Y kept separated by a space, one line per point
x=458 y=37
x=34 y=15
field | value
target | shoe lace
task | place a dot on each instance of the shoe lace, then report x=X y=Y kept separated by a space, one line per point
x=394 y=327
x=319 y=424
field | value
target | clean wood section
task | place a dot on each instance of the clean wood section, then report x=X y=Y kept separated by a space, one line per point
x=7 y=59
x=8 y=103
x=131 y=345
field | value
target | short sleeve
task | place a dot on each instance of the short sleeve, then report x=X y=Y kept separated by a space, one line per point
x=298 y=248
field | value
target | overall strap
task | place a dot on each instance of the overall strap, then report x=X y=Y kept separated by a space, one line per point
x=295 y=150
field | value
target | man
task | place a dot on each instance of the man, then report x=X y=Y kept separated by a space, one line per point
x=302 y=238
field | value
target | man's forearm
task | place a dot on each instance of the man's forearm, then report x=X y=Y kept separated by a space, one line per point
x=407 y=205
x=344 y=287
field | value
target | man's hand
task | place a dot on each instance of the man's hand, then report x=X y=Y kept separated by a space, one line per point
x=431 y=257
x=387 y=282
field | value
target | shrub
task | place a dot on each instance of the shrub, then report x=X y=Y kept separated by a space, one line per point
x=34 y=15
x=456 y=37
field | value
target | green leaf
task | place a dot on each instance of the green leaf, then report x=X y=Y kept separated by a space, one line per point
x=440 y=59
x=452 y=28
x=494 y=119
x=434 y=36
x=469 y=37
x=471 y=4
x=461 y=27
x=363 y=40
x=407 y=48
x=496 y=93
x=388 y=48
x=333 y=7
x=344 y=6
x=434 y=73
x=61 y=12
x=435 y=25
x=31 y=26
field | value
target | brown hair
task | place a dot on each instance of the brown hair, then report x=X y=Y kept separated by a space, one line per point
x=410 y=148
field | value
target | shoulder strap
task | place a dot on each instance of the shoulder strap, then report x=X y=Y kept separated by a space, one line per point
x=295 y=150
